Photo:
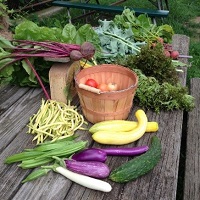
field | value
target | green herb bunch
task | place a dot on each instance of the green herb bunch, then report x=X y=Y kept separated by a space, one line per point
x=159 y=87
x=153 y=95
x=153 y=62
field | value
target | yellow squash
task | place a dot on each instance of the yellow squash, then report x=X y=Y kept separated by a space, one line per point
x=123 y=137
x=121 y=125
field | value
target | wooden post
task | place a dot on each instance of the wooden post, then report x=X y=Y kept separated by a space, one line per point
x=61 y=79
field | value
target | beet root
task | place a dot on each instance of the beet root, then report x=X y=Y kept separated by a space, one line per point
x=75 y=55
x=87 y=50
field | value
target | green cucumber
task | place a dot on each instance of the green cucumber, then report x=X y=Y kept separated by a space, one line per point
x=138 y=166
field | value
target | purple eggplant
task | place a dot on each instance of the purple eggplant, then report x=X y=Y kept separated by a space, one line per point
x=89 y=168
x=91 y=154
x=125 y=151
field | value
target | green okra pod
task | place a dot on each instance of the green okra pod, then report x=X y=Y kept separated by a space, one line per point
x=32 y=163
x=67 y=151
x=36 y=174
x=22 y=156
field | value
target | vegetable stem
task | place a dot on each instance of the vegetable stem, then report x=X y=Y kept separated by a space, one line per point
x=38 y=78
x=136 y=48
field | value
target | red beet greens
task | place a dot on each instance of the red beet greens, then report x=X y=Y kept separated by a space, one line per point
x=25 y=49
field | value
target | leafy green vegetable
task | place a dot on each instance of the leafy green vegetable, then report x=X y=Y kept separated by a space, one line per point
x=158 y=86
x=28 y=30
x=152 y=62
x=152 y=95
x=116 y=41
x=18 y=72
x=143 y=28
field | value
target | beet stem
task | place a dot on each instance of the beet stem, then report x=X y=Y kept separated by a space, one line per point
x=39 y=79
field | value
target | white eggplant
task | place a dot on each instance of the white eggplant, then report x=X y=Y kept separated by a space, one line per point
x=85 y=181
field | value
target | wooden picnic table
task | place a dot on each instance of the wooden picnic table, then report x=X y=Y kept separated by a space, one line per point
x=17 y=105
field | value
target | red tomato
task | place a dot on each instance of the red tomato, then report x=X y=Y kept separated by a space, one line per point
x=91 y=82
x=103 y=87
x=112 y=86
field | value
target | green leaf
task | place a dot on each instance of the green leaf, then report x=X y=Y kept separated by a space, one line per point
x=87 y=33
x=68 y=33
x=177 y=63
x=4 y=62
x=116 y=40
x=6 y=75
x=36 y=174
x=7 y=72
x=28 y=30
x=3 y=53
x=48 y=34
x=144 y=21
x=4 y=43
x=142 y=26
x=29 y=71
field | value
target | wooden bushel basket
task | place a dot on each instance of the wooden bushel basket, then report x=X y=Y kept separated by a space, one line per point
x=107 y=105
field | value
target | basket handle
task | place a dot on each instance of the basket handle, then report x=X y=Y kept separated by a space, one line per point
x=89 y=88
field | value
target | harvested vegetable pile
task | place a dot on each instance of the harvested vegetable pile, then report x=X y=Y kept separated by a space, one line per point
x=55 y=120
x=153 y=95
x=125 y=36
x=43 y=154
x=35 y=43
x=159 y=87
x=126 y=33
x=153 y=62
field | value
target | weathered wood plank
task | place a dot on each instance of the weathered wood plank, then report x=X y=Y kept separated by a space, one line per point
x=17 y=115
x=192 y=166
x=9 y=95
x=13 y=137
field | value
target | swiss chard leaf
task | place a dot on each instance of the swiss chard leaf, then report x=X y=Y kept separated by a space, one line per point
x=68 y=33
x=28 y=30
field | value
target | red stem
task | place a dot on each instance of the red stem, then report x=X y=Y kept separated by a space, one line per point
x=38 y=78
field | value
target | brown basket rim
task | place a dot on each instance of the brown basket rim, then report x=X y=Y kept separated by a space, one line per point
x=111 y=65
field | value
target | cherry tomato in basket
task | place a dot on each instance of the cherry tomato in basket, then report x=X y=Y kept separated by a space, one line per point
x=91 y=82
x=112 y=86
x=103 y=87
